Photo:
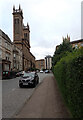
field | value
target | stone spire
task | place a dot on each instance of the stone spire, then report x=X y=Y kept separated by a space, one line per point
x=19 y=7
x=13 y=7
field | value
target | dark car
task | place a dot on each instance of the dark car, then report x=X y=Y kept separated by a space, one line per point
x=47 y=71
x=5 y=74
x=8 y=74
x=30 y=79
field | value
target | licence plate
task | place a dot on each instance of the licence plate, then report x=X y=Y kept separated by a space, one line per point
x=25 y=83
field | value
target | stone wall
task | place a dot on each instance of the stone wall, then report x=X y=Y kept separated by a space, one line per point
x=40 y=64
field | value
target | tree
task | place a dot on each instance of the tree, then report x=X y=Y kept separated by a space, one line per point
x=62 y=51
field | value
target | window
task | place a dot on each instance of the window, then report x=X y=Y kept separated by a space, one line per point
x=82 y=44
x=0 y=53
x=7 y=56
x=14 y=55
x=39 y=65
x=25 y=35
x=14 y=65
x=16 y=25
x=0 y=41
x=76 y=46
x=41 y=62
x=6 y=45
x=16 y=21
x=7 y=67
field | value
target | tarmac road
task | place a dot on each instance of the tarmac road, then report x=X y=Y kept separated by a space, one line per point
x=13 y=97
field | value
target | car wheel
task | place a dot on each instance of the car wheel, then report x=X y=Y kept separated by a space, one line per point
x=34 y=84
x=20 y=85
x=37 y=81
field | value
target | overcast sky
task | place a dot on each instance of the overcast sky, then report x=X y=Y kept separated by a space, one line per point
x=49 y=20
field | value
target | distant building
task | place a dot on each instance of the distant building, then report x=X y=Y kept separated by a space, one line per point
x=48 y=62
x=5 y=51
x=40 y=64
x=21 y=38
x=75 y=43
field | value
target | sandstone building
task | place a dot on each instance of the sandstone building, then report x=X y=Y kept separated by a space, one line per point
x=21 y=38
x=10 y=55
x=40 y=64
x=44 y=63
x=77 y=43
x=16 y=64
x=5 y=51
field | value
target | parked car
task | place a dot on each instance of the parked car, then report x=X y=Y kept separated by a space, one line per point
x=47 y=71
x=37 y=71
x=30 y=79
x=20 y=73
x=41 y=71
x=5 y=74
x=8 y=74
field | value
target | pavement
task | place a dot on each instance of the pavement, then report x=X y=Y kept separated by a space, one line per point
x=45 y=102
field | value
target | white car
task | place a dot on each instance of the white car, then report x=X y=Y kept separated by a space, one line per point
x=41 y=71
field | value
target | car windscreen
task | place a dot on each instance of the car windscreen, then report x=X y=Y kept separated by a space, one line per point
x=28 y=75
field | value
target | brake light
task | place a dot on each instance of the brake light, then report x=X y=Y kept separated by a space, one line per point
x=8 y=73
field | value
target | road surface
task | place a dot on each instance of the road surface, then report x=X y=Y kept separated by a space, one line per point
x=13 y=97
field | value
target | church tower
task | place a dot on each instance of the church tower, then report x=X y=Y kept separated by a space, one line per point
x=21 y=38
x=26 y=35
x=17 y=25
